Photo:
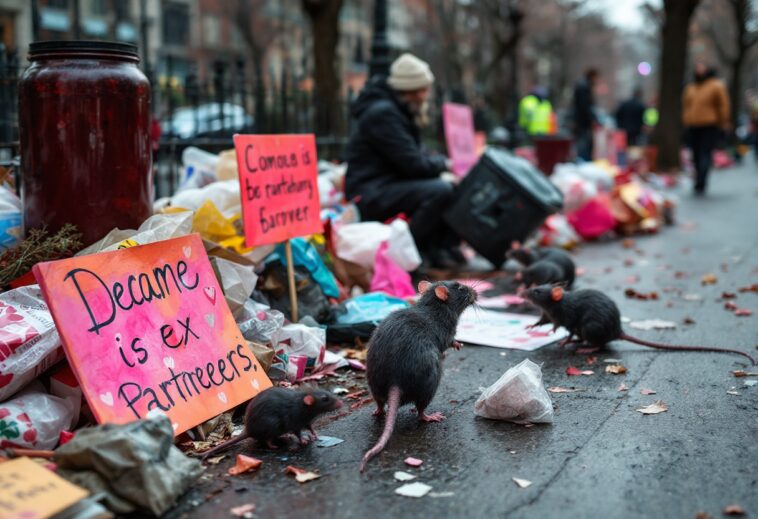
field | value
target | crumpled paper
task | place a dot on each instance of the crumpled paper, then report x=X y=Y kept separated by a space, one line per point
x=136 y=465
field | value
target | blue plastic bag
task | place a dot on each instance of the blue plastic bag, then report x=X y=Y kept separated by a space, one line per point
x=370 y=308
x=305 y=255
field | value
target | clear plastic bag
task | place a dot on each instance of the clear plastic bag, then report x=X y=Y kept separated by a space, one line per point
x=358 y=243
x=259 y=323
x=518 y=396
x=34 y=419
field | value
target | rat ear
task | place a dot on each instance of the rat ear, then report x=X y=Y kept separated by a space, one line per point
x=309 y=400
x=515 y=245
x=556 y=294
x=423 y=286
x=441 y=292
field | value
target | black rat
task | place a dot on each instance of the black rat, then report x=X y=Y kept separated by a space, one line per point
x=594 y=318
x=404 y=362
x=543 y=265
x=276 y=412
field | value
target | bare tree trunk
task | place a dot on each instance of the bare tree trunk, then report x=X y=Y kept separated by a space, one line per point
x=675 y=34
x=324 y=16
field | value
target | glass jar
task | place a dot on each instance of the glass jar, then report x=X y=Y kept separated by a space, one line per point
x=84 y=118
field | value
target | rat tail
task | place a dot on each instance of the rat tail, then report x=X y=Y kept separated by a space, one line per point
x=660 y=346
x=393 y=404
x=225 y=445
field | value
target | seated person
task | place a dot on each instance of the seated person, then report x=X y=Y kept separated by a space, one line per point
x=388 y=172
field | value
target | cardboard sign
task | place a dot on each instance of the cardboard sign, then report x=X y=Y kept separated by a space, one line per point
x=279 y=187
x=147 y=330
x=28 y=490
x=460 y=138
x=505 y=330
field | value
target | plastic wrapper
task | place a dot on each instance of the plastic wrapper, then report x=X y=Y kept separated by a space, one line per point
x=238 y=282
x=34 y=420
x=226 y=167
x=158 y=227
x=29 y=341
x=358 y=243
x=199 y=168
x=389 y=277
x=518 y=396
x=10 y=219
x=576 y=189
x=259 y=323
x=224 y=195
x=557 y=232
x=358 y=317
x=298 y=347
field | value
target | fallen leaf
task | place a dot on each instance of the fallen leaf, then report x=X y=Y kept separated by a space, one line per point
x=245 y=511
x=688 y=320
x=742 y=373
x=417 y=489
x=680 y=275
x=356 y=395
x=647 y=391
x=709 y=279
x=703 y=515
x=522 y=483
x=628 y=262
x=642 y=296
x=244 y=464
x=728 y=295
x=628 y=243
x=572 y=371
x=328 y=441
x=734 y=510
x=730 y=305
x=583 y=351
x=301 y=475
x=652 y=324
x=616 y=369
x=216 y=460
x=749 y=288
x=556 y=389
x=657 y=407
x=743 y=312
x=623 y=387
x=403 y=476
x=590 y=360
x=413 y=462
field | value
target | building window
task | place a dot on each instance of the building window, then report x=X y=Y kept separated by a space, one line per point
x=176 y=23
x=58 y=4
x=97 y=7
x=211 y=30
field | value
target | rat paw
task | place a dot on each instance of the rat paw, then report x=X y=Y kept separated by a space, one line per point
x=434 y=417
x=379 y=411
x=457 y=345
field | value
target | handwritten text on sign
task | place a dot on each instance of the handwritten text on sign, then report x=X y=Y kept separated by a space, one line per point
x=146 y=329
x=279 y=187
x=29 y=490
x=458 y=121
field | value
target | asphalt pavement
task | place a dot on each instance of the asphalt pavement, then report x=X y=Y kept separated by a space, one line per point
x=600 y=458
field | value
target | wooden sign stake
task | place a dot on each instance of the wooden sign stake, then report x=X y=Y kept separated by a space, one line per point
x=291 y=280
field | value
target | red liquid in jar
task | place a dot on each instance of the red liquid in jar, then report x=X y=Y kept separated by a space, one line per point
x=84 y=116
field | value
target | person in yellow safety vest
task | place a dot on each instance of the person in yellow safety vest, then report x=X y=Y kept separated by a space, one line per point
x=535 y=113
x=650 y=117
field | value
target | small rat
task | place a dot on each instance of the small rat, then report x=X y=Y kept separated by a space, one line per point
x=543 y=265
x=276 y=412
x=594 y=318
x=404 y=362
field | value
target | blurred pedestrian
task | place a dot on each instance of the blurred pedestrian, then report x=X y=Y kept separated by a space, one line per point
x=535 y=112
x=585 y=118
x=630 y=117
x=388 y=172
x=705 y=114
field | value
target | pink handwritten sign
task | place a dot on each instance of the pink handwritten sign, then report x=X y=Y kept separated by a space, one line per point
x=147 y=330
x=458 y=121
x=279 y=187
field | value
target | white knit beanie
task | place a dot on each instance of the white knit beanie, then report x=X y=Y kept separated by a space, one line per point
x=410 y=73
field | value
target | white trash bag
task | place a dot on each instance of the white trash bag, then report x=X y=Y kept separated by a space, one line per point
x=518 y=396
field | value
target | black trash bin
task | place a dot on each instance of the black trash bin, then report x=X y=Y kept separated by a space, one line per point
x=502 y=199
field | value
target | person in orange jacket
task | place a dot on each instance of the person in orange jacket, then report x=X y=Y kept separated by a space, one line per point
x=705 y=114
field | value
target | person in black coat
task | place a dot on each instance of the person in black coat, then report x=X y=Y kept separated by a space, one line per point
x=630 y=117
x=584 y=114
x=388 y=172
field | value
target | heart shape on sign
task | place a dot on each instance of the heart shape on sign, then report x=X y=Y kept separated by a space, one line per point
x=210 y=293
x=168 y=362
x=187 y=251
x=222 y=397
x=107 y=398
x=210 y=319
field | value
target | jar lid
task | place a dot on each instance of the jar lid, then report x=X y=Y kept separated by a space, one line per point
x=115 y=48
